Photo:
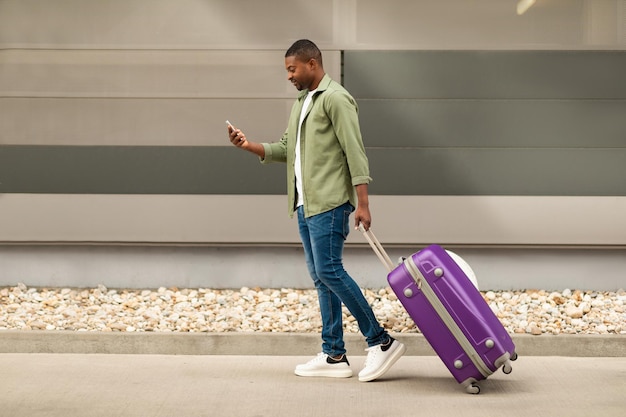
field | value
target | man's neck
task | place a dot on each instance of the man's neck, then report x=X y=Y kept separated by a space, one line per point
x=317 y=81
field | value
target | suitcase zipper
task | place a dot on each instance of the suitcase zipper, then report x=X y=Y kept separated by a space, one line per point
x=441 y=310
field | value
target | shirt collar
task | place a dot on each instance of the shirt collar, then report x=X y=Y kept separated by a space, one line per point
x=323 y=85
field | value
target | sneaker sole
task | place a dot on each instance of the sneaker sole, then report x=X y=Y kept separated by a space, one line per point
x=343 y=373
x=397 y=354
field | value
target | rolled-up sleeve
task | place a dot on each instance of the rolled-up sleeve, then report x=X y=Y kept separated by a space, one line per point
x=276 y=151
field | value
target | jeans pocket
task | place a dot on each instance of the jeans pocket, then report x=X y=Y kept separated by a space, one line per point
x=346 y=222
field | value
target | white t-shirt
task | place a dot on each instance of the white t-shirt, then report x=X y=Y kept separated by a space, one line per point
x=298 y=163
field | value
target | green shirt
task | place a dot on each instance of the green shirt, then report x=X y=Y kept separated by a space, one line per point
x=331 y=150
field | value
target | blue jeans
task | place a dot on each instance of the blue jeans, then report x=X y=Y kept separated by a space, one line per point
x=323 y=237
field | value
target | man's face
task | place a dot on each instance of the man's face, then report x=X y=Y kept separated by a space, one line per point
x=299 y=73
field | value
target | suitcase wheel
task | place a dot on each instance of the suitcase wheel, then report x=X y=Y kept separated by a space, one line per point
x=473 y=389
x=514 y=356
x=507 y=368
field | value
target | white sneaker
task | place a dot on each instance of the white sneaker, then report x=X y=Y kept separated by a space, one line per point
x=324 y=365
x=380 y=358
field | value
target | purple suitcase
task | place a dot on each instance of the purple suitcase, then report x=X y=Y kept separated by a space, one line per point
x=451 y=314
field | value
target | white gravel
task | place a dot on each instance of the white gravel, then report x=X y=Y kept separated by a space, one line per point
x=283 y=310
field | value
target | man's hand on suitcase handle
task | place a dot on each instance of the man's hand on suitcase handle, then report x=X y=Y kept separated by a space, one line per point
x=362 y=219
x=362 y=214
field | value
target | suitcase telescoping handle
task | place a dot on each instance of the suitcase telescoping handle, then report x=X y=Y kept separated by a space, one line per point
x=377 y=247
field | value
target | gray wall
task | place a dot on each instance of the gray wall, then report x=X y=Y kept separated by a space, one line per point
x=283 y=267
x=493 y=122
x=484 y=129
x=435 y=122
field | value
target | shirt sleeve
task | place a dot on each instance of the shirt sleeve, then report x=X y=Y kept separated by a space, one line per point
x=276 y=151
x=343 y=111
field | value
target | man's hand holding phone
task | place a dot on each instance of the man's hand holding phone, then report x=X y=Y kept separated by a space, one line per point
x=238 y=139
x=236 y=136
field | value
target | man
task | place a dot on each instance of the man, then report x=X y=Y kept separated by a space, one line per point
x=327 y=177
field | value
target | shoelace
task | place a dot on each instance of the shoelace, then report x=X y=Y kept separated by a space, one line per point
x=372 y=352
x=319 y=358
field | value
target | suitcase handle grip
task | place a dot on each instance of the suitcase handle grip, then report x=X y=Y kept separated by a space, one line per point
x=377 y=247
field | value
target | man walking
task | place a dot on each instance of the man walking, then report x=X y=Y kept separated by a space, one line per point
x=327 y=179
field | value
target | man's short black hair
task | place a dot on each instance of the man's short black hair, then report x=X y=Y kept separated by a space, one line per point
x=305 y=50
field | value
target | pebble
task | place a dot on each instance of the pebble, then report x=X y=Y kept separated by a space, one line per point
x=285 y=310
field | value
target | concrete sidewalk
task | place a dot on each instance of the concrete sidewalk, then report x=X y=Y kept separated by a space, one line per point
x=94 y=385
